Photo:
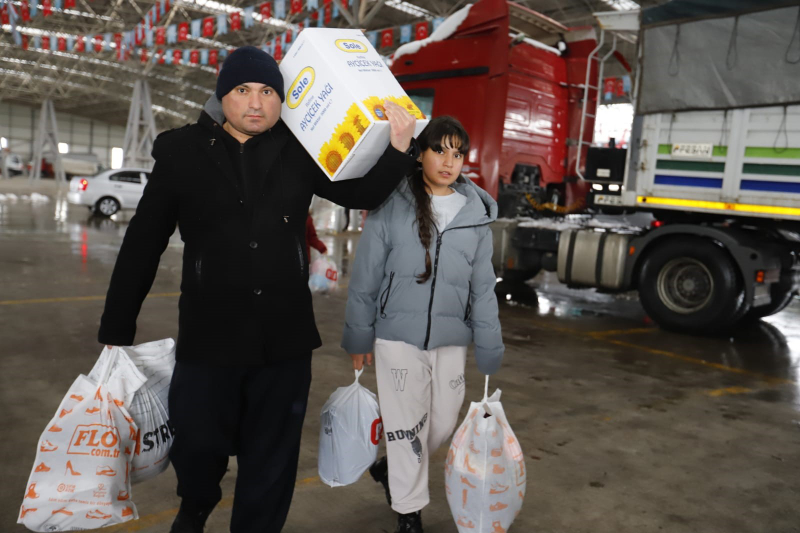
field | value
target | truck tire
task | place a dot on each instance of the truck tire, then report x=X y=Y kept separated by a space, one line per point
x=691 y=285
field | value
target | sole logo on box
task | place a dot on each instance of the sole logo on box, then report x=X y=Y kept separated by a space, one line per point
x=351 y=45
x=300 y=87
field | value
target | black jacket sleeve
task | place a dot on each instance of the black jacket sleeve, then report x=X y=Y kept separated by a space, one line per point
x=145 y=240
x=370 y=191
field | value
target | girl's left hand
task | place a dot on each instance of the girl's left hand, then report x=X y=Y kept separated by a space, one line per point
x=358 y=360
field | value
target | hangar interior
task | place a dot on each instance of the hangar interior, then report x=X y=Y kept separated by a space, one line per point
x=647 y=252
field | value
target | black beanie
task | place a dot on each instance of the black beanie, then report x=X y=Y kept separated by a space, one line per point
x=249 y=64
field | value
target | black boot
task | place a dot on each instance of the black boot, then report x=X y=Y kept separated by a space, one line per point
x=380 y=473
x=409 y=523
x=191 y=518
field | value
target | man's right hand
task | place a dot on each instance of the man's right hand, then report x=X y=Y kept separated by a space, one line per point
x=109 y=346
x=358 y=360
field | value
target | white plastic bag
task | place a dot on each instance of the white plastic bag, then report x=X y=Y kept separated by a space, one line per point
x=351 y=429
x=150 y=407
x=485 y=476
x=323 y=276
x=81 y=475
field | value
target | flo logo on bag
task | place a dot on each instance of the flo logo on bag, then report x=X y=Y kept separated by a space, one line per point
x=96 y=440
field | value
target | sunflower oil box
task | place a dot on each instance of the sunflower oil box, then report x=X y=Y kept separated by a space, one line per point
x=336 y=85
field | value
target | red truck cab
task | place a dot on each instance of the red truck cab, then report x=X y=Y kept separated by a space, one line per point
x=519 y=99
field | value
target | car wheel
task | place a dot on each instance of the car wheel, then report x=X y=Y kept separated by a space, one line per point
x=107 y=206
x=691 y=285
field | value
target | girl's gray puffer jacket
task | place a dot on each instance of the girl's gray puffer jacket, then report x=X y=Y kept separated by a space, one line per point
x=454 y=307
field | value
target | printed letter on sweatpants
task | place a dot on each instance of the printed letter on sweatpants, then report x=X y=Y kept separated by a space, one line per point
x=420 y=394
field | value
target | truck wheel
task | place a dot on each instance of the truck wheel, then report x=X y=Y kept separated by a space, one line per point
x=691 y=285
x=107 y=206
x=780 y=299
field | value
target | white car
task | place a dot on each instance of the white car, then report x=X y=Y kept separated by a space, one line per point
x=109 y=191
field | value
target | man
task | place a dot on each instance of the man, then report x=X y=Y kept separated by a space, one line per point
x=238 y=184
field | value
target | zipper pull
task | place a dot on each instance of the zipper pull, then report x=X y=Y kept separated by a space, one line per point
x=241 y=148
x=286 y=218
x=212 y=141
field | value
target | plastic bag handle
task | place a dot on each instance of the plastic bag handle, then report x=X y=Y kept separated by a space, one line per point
x=486 y=390
x=112 y=359
x=358 y=373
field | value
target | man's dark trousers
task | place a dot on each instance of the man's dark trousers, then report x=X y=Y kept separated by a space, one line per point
x=253 y=412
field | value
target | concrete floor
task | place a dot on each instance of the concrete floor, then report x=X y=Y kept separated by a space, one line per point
x=624 y=427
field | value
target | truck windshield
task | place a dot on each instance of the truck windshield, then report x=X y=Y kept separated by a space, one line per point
x=423 y=98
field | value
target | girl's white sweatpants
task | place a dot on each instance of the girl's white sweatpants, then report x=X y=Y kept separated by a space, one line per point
x=420 y=394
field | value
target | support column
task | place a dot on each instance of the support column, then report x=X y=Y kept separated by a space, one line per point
x=140 y=134
x=46 y=141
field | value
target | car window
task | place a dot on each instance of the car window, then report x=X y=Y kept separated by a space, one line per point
x=126 y=176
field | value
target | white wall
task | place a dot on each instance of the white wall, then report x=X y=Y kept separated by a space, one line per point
x=18 y=124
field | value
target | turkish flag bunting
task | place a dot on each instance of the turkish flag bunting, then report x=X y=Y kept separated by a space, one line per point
x=288 y=36
x=608 y=85
x=144 y=55
x=80 y=44
x=160 y=53
x=4 y=15
x=45 y=42
x=236 y=21
x=183 y=31
x=387 y=38
x=118 y=44
x=69 y=4
x=25 y=11
x=328 y=14
x=278 y=51
x=98 y=43
x=177 y=55
x=300 y=27
x=137 y=36
x=208 y=27
x=62 y=44
x=326 y=2
x=296 y=6
x=194 y=57
x=47 y=8
x=266 y=10
x=421 y=30
x=344 y=4
x=619 y=87
x=161 y=35
x=212 y=57
x=166 y=6
x=24 y=42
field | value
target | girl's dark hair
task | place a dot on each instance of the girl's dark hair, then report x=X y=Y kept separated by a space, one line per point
x=441 y=132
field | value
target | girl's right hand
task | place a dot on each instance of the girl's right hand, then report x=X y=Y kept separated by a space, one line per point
x=358 y=360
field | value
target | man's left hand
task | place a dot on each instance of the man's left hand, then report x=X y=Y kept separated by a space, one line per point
x=402 y=125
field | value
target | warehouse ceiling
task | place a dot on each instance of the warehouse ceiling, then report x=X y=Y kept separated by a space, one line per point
x=99 y=86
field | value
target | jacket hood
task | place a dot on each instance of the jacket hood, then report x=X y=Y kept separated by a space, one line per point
x=480 y=208
x=213 y=109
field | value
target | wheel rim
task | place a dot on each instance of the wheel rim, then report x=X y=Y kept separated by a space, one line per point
x=685 y=285
x=108 y=206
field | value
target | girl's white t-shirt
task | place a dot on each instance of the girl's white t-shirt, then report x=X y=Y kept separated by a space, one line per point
x=445 y=208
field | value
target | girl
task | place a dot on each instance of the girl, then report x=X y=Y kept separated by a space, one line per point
x=422 y=289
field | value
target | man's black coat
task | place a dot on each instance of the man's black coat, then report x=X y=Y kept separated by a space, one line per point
x=244 y=289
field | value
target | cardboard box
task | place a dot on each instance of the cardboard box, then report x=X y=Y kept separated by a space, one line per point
x=335 y=85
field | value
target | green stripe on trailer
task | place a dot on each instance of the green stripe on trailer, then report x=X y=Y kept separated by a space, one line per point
x=693 y=166
x=773 y=170
x=771 y=153
x=718 y=151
